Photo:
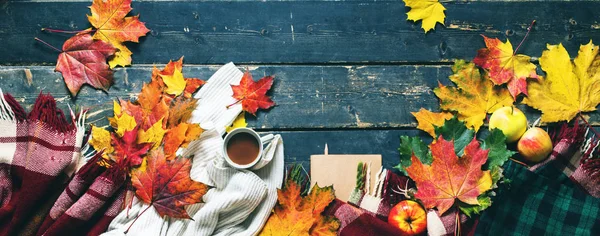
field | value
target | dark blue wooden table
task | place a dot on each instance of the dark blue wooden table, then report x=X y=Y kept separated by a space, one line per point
x=348 y=73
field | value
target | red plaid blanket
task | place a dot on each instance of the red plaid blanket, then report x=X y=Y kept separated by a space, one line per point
x=35 y=150
x=576 y=157
x=89 y=202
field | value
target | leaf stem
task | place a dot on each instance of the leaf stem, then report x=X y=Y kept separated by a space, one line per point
x=523 y=40
x=47 y=44
x=238 y=101
x=63 y=31
x=519 y=162
x=457 y=228
x=136 y=218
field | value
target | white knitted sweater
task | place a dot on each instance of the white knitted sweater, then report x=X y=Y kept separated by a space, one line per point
x=240 y=201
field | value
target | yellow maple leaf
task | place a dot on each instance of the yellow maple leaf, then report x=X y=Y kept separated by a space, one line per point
x=152 y=135
x=175 y=82
x=239 y=122
x=122 y=57
x=428 y=119
x=121 y=121
x=569 y=87
x=430 y=11
x=101 y=140
x=474 y=95
x=485 y=182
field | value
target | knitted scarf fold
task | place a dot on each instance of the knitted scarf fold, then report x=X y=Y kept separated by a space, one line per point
x=37 y=152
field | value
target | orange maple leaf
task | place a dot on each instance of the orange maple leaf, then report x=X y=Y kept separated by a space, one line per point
x=180 y=136
x=112 y=26
x=505 y=66
x=167 y=185
x=171 y=79
x=449 y=178
x=427 y=120
x=253 y=94
x=295 y=215
x=192 y=85
x=83 y=61
x=145 y=118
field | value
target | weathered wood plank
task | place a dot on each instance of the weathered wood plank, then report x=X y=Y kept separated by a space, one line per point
x=307 y=96
x=299 y=145
x=214 y=32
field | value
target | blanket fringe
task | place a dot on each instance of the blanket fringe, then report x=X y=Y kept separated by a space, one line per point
x=10 y=110
x=571 y=134
x=91 y=169
x=115 y=174
x=590 y=163
x=46 y=111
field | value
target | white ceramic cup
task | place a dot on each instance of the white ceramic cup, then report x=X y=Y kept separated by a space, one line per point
x=260 y=140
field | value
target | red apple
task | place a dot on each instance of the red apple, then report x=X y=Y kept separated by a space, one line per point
x=409 y=217
x=535 y=145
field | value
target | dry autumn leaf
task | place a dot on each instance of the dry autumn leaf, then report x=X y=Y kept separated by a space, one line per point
x=173 y=81
x=474 y=95
x=122 y=121
x=430 y=11
x=83 y=61
x=569 y=88
x=101 y=140
x=504 y=66
x=127 y=150
x=152 y=106
x=253 y=94
x=153 y=135
x=450 y=179
x=112 y=26
x=295 y=215
x=192 y=85
x=167 y=185
x=427 y=120
x=181 y=111
x=180 y=136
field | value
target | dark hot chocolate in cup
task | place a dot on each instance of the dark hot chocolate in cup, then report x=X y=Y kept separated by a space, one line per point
x=242 y=148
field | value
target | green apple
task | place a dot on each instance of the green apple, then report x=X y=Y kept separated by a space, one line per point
x=535 y=145
x=511 y=121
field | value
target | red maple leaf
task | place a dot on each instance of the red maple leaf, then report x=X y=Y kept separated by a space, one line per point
x=83 y=61
x=505 y=66
x=449 y=178
x=127 y=150
x=167 y=185
x=253 y=94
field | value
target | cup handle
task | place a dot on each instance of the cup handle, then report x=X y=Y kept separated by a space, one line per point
x=267 y=138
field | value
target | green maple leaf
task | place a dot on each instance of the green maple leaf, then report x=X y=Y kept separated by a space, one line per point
x=408 y=146
x=457 y=131
x=484 y=202
x=498 y=154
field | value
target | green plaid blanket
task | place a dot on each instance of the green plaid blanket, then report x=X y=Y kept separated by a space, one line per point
x=546 y=202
